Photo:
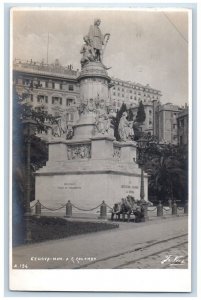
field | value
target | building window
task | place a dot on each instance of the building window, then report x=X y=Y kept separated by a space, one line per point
x=70 y=117
x=150 y=122
x=150 y=112
x=181 y=123
x=122 y=90
x=71 y=87
x=39 y=98
x=26 y=81
x=174 y=126
x=31 y=97
x=53 y=85
x=56 y=100
x=114 y=94
x=46 y=84
x=122 y=95
x=61 y=86
x=130 y=91
x=46 y=99
x=69 y=102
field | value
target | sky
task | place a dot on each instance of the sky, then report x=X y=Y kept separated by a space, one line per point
x=148 y=47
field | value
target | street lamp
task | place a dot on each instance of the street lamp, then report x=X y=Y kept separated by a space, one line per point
x=29 y=130
x=141 y=146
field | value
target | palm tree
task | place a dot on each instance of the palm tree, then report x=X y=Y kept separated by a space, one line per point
x=167 y=177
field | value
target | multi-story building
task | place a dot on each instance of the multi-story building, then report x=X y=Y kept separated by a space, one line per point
x=166 y=119
x=131 y=93
x=182 y=123
x=52 y=86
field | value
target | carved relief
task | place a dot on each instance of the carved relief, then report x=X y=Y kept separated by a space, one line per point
x=117 y=153
x=78 y=151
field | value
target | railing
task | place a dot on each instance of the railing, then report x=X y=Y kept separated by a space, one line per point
x=147 y=211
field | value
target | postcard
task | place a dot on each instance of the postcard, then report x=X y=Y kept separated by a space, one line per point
x=100 y=139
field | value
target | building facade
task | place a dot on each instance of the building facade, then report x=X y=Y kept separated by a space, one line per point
x=182 y=124
x=131 y=93
x=166 y=117
x=53 y=87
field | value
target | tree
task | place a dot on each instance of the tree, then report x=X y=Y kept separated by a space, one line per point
x=168 y=173
x=130 y=115
x=141 y=116
x=39 y=150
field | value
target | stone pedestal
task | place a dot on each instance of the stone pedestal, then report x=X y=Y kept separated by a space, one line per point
x=93 y=171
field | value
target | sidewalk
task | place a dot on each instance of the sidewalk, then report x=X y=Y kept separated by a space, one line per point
x=70 y=252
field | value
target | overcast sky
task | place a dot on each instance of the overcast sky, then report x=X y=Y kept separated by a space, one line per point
x=149 y=47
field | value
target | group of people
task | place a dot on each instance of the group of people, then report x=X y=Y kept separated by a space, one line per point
x=126 y=208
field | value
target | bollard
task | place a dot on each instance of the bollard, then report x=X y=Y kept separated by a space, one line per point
x=38 y=209
x=174 y=208
x=144 y=211
x=186 y=208
x=68 y=209
x=103 y=211
x=159 y=209
x=170 y=203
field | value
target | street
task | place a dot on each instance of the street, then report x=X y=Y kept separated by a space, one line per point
x=160 y=243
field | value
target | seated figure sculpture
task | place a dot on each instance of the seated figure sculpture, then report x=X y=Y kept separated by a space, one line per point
x=125 y=128
x=102 y=119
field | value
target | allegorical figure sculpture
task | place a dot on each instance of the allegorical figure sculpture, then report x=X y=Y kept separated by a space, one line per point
x=125 y=128
x=87 y=51
x=95 y=43
x=102 y=119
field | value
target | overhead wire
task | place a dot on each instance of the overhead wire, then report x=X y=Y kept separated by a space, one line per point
x=175 y=27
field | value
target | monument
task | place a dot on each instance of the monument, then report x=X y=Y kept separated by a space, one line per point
x=91 y=166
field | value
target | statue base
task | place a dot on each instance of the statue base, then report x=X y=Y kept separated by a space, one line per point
x=89 y=171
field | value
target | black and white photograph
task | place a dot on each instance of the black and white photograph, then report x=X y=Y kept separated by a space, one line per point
x=100 y=141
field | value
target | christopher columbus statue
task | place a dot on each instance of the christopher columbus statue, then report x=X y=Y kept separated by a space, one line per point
x=97 y=40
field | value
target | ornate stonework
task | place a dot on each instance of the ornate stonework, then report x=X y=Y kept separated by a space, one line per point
x=78 y=151
x=117 y=153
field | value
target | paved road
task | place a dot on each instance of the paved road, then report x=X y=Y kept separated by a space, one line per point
x=133 y=245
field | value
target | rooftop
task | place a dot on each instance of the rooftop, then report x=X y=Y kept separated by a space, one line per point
x=45 y=69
